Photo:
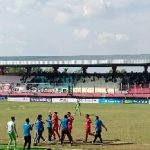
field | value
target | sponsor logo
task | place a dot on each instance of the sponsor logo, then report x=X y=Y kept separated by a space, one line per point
x=136 y=101
x=110 y=101
x=40 y=99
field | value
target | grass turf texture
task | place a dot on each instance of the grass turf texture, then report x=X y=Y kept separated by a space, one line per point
x=128 y=125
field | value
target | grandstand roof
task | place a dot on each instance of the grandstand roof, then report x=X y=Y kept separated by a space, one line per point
x=79 y=60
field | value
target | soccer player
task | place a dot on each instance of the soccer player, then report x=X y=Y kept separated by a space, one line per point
x=40 y=129
x=12 y=132
x=64 y=129
x=36 y=132
x=70 y=121
x=49 y=126
x=55 y=128
x=98 y=129
x=77 y=107
x=27 y=127
x=88 y=123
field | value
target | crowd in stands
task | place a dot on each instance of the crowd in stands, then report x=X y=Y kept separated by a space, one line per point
x=66 y=82
x=141 y=79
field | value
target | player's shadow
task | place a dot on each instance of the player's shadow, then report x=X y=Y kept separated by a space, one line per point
x=119 y=143
x=116 y=142
x=105 y=142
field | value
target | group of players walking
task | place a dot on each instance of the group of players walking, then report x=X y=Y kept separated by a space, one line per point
x=54 y=124
x=53 y=127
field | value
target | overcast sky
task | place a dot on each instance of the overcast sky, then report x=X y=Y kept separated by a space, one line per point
x=74 y=27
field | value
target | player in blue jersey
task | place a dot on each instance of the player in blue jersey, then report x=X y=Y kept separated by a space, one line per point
x=98 y=129
x=49 y=126
x=40 y=129
x=27 y=127
x=64 y=129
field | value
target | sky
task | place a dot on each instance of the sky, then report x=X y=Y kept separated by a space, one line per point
x=74 y=27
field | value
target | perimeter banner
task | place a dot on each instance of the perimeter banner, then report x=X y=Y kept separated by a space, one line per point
x=136 y=101
x=73 y=100
x=3 y=98
x=18 y=99
x=110 y=101
x=40 y=99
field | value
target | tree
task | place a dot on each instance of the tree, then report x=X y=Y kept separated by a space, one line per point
x=37 y=69
x=15 y=70
x=111 y=71
x=123 y=71
x=65 y=70
x=78 y=71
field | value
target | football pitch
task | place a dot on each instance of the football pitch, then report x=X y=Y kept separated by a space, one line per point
x=128 y=125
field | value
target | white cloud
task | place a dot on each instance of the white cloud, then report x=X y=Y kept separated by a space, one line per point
x=95 y=7
x=62 y=17
x=74 y=11
x=17 y=6
x=107 y=37
x=120 y=36
x=81 y=33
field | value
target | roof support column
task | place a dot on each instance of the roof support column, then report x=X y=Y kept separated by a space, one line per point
x=145 y=68
x=114 y=68
x=28 y=68
x=84 y=69
x=2 y=70
x=55 y=69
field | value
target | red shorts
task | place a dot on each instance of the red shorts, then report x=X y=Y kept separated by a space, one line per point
x=55 y=127
x=88 y=130
x=69 y=128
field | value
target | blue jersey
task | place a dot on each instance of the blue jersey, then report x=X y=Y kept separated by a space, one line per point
x=26 y=129
x=98 y=125
x=39 y=125
x=64 y=123
x=49 y=122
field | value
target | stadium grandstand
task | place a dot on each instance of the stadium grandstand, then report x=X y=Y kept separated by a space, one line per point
x=30 y=82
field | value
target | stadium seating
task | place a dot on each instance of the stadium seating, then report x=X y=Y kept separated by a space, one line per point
x=106 y=84
x=139 y=90
x=10 y=79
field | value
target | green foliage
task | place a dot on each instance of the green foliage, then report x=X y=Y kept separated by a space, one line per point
x=15 y=70
x=78 y=71
x=111 y=71
x=48 y=69
x=123 y=71
x=37 y=69
x=65 y=70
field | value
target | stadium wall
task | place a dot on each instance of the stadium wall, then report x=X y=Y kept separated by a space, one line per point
x=74 y=100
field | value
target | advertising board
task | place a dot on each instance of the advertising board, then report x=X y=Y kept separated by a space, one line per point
x=3 y=98
x=73 y=100
x=136 y=101
x=18 y=99
x=40 y=99
x=88 y=100
x=110 y=101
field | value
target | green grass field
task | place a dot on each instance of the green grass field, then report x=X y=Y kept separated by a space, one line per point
x=128 y=125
